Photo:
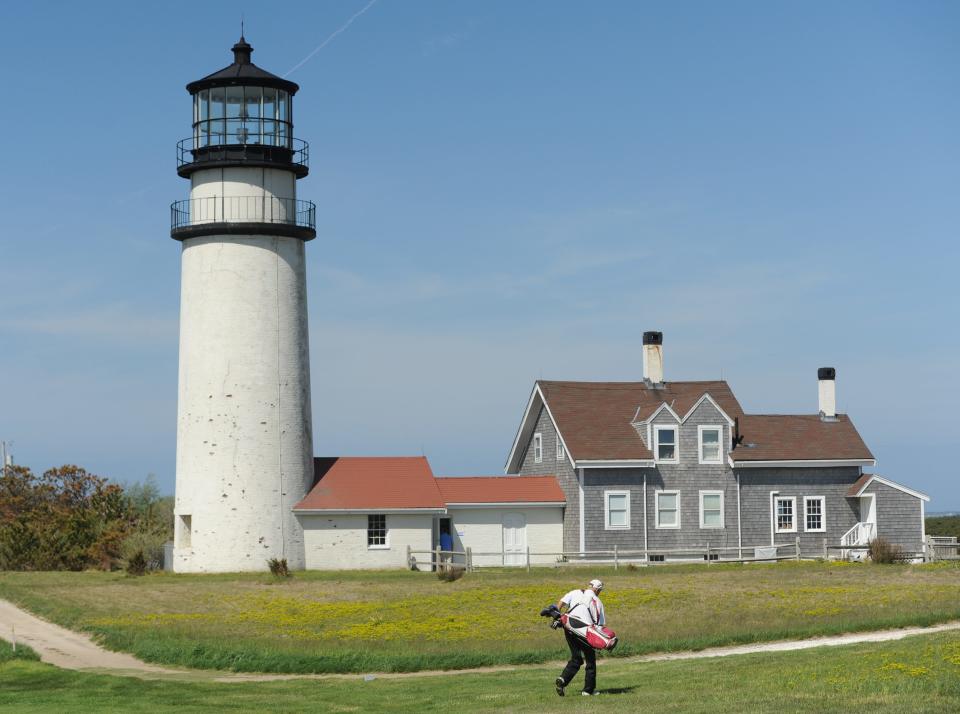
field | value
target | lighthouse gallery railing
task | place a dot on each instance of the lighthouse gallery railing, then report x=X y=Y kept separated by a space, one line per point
x=242 y=209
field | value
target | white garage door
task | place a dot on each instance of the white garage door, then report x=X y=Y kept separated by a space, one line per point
x=514 y=539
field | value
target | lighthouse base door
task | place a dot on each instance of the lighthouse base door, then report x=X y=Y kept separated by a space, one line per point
x=514 y=539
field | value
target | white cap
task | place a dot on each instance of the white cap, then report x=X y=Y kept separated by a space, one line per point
x=597 y=585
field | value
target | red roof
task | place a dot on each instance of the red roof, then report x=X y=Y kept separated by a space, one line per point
x=501 y=489
x=595 y=418
x=799 y=437
x=372 y=482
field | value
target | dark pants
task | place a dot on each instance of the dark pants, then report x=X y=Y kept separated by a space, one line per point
x=580 y=651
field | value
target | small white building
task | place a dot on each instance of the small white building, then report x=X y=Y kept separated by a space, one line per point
x=366 y=512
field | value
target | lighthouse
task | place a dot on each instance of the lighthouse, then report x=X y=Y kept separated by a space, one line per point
x=244 y=434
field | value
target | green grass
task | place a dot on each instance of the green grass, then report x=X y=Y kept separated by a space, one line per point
x=402 y=621
x=8 y=654
x=943 y=526
x=918 y=674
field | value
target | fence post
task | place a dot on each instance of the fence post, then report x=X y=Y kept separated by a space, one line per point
x=13 y=638
x=708 y=552
x=826 y=553
x=616 y=558
x=409 y=558
x=469 y=560
x=436 y=556
x=798 y=547
x=528 y=558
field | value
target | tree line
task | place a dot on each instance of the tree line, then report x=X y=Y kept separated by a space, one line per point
x=70 y=519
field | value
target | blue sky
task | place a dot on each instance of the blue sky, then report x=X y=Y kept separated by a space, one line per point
x=505 y=191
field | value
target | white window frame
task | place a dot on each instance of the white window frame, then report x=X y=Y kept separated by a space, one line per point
x=386 y=533
x=823 y=514
x=560 y=453
x=656 y=509
x=538 y=448
x=606 y=510
x=657 y=428
x=776 y=522
x=722 y=505
x=710 y=427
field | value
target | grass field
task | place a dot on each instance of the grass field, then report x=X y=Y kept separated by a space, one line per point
x=918 y=674
x=402 y=621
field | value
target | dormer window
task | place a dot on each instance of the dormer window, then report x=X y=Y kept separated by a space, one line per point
x=560 y=453
x=538 y=448
x=710 y=439
x=665 y=444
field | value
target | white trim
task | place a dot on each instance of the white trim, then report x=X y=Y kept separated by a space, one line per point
x=872 y=508
x=538 y=448
x=509 y=504
x=773 y=520
x=646 y=512
x=561 y=451
x=706 y=396
x=537 y=392
x=739 y=522
x=371 y=509
x=675 y=428
x=722 y=509
x=615 y=463
x=659 y=409
x=923 y=523
x=891 y=484
x=386 y=532
x=712 y=427
x=656 y=509
x=606 y=510
x=583 y=531
x=799 y=464
x=681 y=420
x=823 y=514
x=793 y=510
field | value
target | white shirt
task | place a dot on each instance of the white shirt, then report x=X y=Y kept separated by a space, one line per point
x=585 y=606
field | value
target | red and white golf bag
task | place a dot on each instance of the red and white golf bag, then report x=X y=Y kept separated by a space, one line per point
x=596 y=636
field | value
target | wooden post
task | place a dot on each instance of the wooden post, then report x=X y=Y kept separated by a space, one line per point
x=616 y=558
x=708 y=552
x=469 y=559
x=409 y=558
x=13 y=639
x=528 y=558
x=436 y=556
x=798 y=547
x=826 y=554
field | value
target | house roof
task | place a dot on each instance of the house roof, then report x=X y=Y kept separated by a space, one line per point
x=595 y=418
x=860 y=485
x=372 y=483
x=798 y=437
x=501 y=489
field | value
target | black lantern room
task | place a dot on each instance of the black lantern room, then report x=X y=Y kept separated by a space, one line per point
x=242 y=115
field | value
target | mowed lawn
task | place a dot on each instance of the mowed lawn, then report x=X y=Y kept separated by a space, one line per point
x=917 y=674
x=403 y=621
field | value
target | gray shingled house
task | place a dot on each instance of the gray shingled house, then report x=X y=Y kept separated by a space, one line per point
x=671 y=465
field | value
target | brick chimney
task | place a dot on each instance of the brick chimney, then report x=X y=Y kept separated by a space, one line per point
x=653 y=358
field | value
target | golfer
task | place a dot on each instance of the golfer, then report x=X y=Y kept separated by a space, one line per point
x=583 y=605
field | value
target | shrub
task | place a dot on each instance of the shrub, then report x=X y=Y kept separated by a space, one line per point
x=137 y=564
x=449 y=573
x=880 y=550
x=278 y=566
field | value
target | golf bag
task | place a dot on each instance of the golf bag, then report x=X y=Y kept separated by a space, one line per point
x=596 y=636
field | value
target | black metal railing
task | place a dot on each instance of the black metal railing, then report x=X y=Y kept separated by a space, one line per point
x=242 y=209
x=243 y=147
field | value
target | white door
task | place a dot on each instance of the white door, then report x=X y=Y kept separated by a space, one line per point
x=514 y=539
x=868 y=512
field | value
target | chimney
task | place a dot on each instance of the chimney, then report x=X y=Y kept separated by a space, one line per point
x=827 y=389
x=653 y=358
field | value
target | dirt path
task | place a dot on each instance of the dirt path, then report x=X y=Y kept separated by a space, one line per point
x=73 y=650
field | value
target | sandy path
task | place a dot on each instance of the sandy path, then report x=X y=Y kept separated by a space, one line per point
x=73 y=650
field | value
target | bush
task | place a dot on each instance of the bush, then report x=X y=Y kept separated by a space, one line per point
x=882 y=551
x=278 y=566
x=449 y=573
x=137 y=564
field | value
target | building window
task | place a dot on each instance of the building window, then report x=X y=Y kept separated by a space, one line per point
x=786 y=508
x=814 y=514
x=616 y=508
x=186 y=529
x=377 y=530
x=668 y=509
x=711 y=509
x=559 y=449
x=711 y=556
x=537 y=448
x=665 y=443
x=655 y=558
x=710 y=452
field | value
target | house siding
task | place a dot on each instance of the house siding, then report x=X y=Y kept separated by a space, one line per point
x=566 y=477
x=899 y=518
x=842 y=513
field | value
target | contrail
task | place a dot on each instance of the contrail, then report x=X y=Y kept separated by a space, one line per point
x=334 y=34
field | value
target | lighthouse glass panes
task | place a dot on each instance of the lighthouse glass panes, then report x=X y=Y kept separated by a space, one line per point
x=242 y=115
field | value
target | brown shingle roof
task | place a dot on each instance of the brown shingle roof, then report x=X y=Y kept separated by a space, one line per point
x=372 y=482
x=595 y=417
x=501 y=489
x=795 y=437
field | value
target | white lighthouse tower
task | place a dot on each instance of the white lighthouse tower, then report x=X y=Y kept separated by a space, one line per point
x=244 y=438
